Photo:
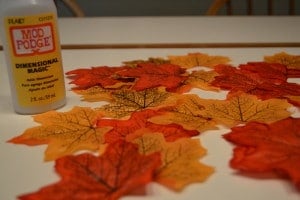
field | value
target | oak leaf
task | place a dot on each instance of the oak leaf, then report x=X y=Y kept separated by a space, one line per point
x=198 y=59
x=118 y=172
x=149 y=75
x=180 y=160
x=243 y=108
x=263 y=148
x=128 y=101
x=188 y=112
x=65 y=132
x=123 y=129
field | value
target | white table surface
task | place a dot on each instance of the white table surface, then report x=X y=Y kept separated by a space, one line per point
x=22 y=168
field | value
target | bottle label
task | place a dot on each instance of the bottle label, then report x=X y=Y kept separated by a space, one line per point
x=36 y=62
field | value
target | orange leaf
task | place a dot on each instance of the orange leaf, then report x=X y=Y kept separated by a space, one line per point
x=103 y=76
x=291 y=61
x=180 y=160
x=126 y=102
x=149 y=75
x=119 y=171
x=263 y=148
x=188 y=112
x=122 y=129
x=243 y=108
x=65 y=133
x=156 y=61
x=201 y=79
x=198 y=59
x=94 y=94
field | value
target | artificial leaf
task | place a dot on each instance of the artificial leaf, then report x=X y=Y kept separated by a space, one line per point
x=291 y=61
x=266 y=72
x=243 y=108
x=188 y=112
x=65 y=132
x=198 y=59
x=256 y=81
x=263 y=148
x=157 y=61
x=118 y=172
x=150 y=75
x=122 y=129
x=94 y=94
x=295 y=100
x=201 y=79
x=127 y=101
x=103 y=76
x=180 y=160
x=231 y=78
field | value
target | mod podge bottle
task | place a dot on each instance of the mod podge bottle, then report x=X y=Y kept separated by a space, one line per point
x=29 y=35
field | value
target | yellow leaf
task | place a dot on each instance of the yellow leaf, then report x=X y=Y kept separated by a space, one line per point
x=180 y=159
x=188 y=112
x=198 y=59
x=243 y=108
x=291 y=61
x=65 y=133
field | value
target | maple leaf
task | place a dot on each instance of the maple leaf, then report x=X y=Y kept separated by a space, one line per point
x=119 y=171
x=201 y=79
x=180 y=160
x=156 y=61
x=65 y=133
x=127 y=101
x=188 y=112
x=94 y=94
x=291 y=61
x=198 y=59
x=243 y=108
x=150 y=75
x=295 y=100
x=103 y=76
x=252 y=78
x=266 y=72
x=263 y=148
x=123 y=129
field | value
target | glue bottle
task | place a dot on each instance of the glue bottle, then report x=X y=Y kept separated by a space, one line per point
x=31 y=46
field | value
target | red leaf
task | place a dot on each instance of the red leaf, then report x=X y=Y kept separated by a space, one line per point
x=265 y=80
x=138 y=120
x=151 y=75
x=119 y=171
x=268 y=72
x=265 y=148
x=294 y=73
x=96 y=76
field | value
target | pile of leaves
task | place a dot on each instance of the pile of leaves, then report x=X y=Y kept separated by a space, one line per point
x=145 y=132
